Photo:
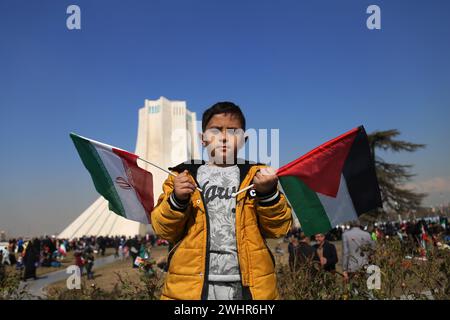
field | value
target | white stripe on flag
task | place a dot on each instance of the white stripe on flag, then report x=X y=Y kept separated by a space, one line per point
x=131 y=204
x=339 y=209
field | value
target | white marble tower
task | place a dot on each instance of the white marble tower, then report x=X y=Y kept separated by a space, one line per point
x=167 y=135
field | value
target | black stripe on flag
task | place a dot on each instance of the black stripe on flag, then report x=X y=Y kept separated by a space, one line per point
x=360 y=176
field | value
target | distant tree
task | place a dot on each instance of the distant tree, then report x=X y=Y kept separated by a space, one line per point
x=392 y=176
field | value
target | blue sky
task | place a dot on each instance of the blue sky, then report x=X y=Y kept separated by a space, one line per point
x=310 y=68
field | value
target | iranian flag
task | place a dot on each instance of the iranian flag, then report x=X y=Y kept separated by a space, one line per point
x=332 y=184
x=117 y=177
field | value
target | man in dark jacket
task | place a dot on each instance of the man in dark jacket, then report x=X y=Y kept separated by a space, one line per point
x=302 y=253
x=326 y=252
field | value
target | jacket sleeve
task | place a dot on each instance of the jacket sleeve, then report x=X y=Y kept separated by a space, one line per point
x=333 y=258
x=168 y=219
x=274 y=215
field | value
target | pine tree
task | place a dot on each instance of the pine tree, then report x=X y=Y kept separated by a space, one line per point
x=393 y=176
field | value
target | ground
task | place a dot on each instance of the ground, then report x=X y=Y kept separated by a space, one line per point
x=67 y=261
x=106 y=277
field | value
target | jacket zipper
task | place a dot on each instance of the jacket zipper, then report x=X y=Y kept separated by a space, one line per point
x=204 y=293
x=237 y=238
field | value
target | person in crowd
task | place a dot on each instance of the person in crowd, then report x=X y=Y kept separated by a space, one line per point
x=11 y=250
x=79 y=260
x=20 y=246
x=101 y=245
x=31 y=259
x=2 y=268
x=133 y=245
x=89 y=258
x=292 y=247
x=305 y=251
x=116 y=244
x=5 y=256
x=356 y=245
x=303 y=254
x=326 y=252
x=19 y=263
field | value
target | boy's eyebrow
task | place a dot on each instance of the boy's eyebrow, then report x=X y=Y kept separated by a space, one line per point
x=221 y=127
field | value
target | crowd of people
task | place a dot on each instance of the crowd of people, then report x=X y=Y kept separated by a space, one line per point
x=322 y=254
x=28 y=255
x=48 y=251
x=357 y=240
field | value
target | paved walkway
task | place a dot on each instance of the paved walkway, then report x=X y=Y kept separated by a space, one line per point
x=36 y=287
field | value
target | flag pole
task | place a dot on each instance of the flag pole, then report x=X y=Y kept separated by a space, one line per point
x=234 y=194
x=166 y=171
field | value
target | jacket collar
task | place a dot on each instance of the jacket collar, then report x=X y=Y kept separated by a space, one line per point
x=192 y=167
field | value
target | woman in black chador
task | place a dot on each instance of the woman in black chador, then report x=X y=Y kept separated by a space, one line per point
x=31 y=259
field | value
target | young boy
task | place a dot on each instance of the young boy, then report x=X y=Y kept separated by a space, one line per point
x=219 y=248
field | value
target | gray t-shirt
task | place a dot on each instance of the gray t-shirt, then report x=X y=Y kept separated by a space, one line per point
x=218 y=183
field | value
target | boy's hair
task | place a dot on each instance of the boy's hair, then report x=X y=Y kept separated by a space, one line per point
x=223 y=107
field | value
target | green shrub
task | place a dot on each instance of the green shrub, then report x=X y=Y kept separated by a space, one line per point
x=10 y=288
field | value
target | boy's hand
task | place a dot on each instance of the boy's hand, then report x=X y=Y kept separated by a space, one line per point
x=183 y=186
x=265 y=180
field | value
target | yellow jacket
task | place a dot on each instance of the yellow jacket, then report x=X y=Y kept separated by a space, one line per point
x=188 y=232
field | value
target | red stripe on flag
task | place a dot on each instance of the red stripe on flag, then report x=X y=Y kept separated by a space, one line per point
x=140 y=179
x=321 y=168
x=128 y=156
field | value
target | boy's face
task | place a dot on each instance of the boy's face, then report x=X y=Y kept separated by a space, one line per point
x=223 y=137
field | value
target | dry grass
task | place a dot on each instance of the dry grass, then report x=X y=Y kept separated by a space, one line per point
x=108 y=276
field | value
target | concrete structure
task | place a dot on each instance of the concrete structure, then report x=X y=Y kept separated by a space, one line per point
x=167 y=135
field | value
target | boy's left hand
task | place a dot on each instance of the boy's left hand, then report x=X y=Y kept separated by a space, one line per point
x=265 y=180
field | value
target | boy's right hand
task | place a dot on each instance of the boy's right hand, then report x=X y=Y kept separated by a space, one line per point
x=183 y=186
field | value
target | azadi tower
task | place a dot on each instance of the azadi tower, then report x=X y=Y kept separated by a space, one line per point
x=167 y=135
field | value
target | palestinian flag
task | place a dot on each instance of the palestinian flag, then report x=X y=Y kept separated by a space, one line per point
x=117 y=177
x=332 y=184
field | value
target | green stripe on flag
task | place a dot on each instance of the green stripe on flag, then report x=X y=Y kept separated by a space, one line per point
x=307 y=206
x=100 y=176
